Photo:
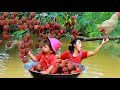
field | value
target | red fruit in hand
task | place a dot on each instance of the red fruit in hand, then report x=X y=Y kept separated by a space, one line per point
x=24 y=60
x=9 y=44
x=0 y=42
x=21 y=55
x=22 y=51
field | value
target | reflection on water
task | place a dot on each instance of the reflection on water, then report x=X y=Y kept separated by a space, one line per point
x=105 y=64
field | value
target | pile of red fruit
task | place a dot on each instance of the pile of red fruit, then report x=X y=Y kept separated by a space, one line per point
x=65 y=67
x=24 y=47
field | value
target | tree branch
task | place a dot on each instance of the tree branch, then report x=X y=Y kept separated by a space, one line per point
x=98 y=38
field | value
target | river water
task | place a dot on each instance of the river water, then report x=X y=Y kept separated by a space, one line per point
x=105 y=64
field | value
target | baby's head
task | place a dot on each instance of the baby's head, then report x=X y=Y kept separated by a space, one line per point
x=51 y=45
x=75 y=44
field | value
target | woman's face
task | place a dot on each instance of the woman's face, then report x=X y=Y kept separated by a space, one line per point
x=46 y=49
x=78 y=45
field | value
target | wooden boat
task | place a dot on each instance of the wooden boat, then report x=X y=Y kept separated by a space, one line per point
x=39 y=75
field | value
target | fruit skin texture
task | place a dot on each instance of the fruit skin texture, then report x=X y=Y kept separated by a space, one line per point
x=55 y=69
x=0 y=42
x=6 y=37
x=9 y=44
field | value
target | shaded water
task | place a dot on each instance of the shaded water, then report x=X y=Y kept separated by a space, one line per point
x=105 y=64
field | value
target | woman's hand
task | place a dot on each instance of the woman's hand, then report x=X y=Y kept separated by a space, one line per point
x=105 y=41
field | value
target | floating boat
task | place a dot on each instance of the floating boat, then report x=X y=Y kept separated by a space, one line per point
x=39 y=75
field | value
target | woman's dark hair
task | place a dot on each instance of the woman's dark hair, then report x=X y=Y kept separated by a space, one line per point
x=71 y=47
x=47 y=41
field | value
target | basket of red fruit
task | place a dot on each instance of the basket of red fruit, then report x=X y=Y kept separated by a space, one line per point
x=65 y=69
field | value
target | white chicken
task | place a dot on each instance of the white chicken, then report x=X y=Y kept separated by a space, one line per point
x=109 y=25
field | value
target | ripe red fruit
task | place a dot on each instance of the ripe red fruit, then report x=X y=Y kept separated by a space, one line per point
x=36 y=27
x=31 y=42
x=21 y=55
x=42 y=27
x=72 y=38
x=30 y=27
x=20 y=27
x=20 y=22
x=6 y=28
x=51 y=23
x=6 y=36
x=64 y=31
x=32 y=14
x=0 y=42
x=21 y=43
x=38 y=39
x=73 y=23
x=22 y=51
x=61 y=31
x=5 y=14
x=78 y=69
x=66 y=72
x=24 y=60
x=28 y=22
x=25 y=26
x=71 y=67
x=73 y=72
x=27 y=44
x=28 y=35
x=51 y=32
x=38 y=67
x=58 y=34
x=16 y=20
x=9 y=44
x=12 y=16
x=11 y=21
x=73 y=17
x=47 y=26
x=4 y=32
x=27 y=50
x=32 y=68
x=2 y=18
x=24 y=19
x=6 y=22
x=15 y=13
x=62 y=65
x=64 y=69
x=56 y=31
x=55 y=69
x=37 y=46
x=57 y=25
